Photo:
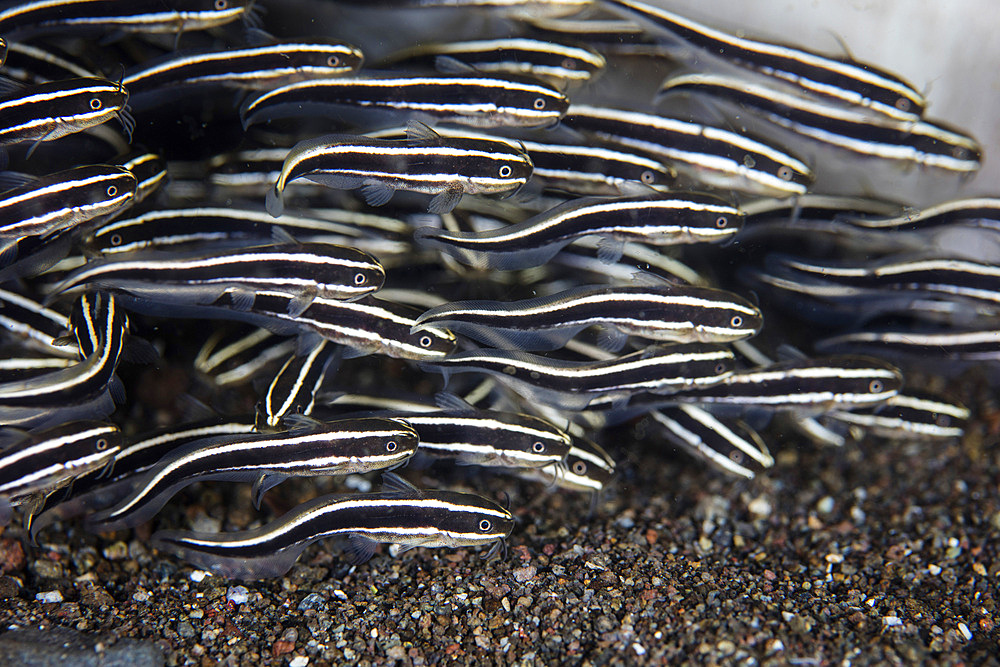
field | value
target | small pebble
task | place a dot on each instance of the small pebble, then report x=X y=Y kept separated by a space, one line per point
x=825 y=505
x=934 y=569
x=298 y=661
x=49 y=596
x=760 y=507
x=524 y=574
x=639 y=648
x=198 y=576
x=237 y=594
x=891 y=621
x=964 y=629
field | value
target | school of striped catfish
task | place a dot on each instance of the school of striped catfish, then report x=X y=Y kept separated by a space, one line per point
x=233 y=252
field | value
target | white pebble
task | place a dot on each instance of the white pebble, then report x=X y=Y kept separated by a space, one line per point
x=237 y=594
x=891 y=621
x=964 y=629
x=49 y=596
x=934 y=569
x=339 y=594
x=760 y=507
x=140 y=596
x=639 y=648
x=198 y=576
x=298 y=661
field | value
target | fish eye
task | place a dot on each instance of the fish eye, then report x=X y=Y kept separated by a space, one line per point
x=505 y=171
x=579 y=468
x=112 y=190
x=539 y=103
x=485 y=525
x=721 y=222
x=785 y=173
x=647 y=177
x=101 y=444
x=221 y=4
x=425 y=341
x=875 y=386
x=390 y=446
x=903 y=104
x=736 y=457
x=749 y=162
x=95 y=103
x=959 y=153
x=360 y=279
x=737 y=321
x=333 y=61
x=116 y=239
x=538 y=447
x=720 y=367
x=942 y=421
x=569 y=63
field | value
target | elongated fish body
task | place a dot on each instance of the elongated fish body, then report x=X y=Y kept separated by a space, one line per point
x=913 y=415
x=22 y=367
x=72 y=393
x=250 y=68
x=558 y=64
x=594 y=170
x=489 y=438
x=186 y=228
x=808 y=386
x=142 y=16
x=734 y=448
x=573 y=385
x=652 y=219
x=35 y=325
x=977 y=346
x=46 y=460
x=474 y=100
x=337 y=448
x=517 y=9
x=953 y=278
x=64 y=199
x=845 y=80
x=51 y=110
x=446 y=167
x=305 y=270
x=366 y=326
x=673 y=313
x=99 y=489
x=410 y=518
x=714 y=156
x=974 y=211
x=149 y=169
x=912 y=141
x=32 y=64
x=293 y=390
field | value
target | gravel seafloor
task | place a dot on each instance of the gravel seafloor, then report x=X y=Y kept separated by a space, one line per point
x=875 y=553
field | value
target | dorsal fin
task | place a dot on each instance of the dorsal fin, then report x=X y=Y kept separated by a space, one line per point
x=393 y=483
x=449 y=401
x=418 y=131
x=452 y=65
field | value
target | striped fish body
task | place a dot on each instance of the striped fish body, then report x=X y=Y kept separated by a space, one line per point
x=410 y=518
x=142 y=16
x=76 y=392
x=957 y=347
x=713 y=156
x=337 y=448
x=293 y=390
x=809 y=386
x=733 y=448
x=187 y=228
x=473 y=100
x=251 y=68
x=32 y=64
x=574 y=385
x=149 y=169
x=516 y=9
x=34 y=325
x=51 y=110
x=655 y=220
x=674 y=313
x=366 y=326
x=233 y=356
x=489 y=438
x=98 y=489
x=13 y=369
x=46 y=460
x=593 y=170
x=558 y=64
x=913 y=141
x=426 y=162
x=64 y=199
x=845 y=80
x=975 y=211
x=305 y=271
x=909 y=416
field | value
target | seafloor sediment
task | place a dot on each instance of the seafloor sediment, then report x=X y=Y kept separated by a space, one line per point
x=878 y=553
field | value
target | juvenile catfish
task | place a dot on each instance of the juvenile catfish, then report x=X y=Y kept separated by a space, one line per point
x=446 y=167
